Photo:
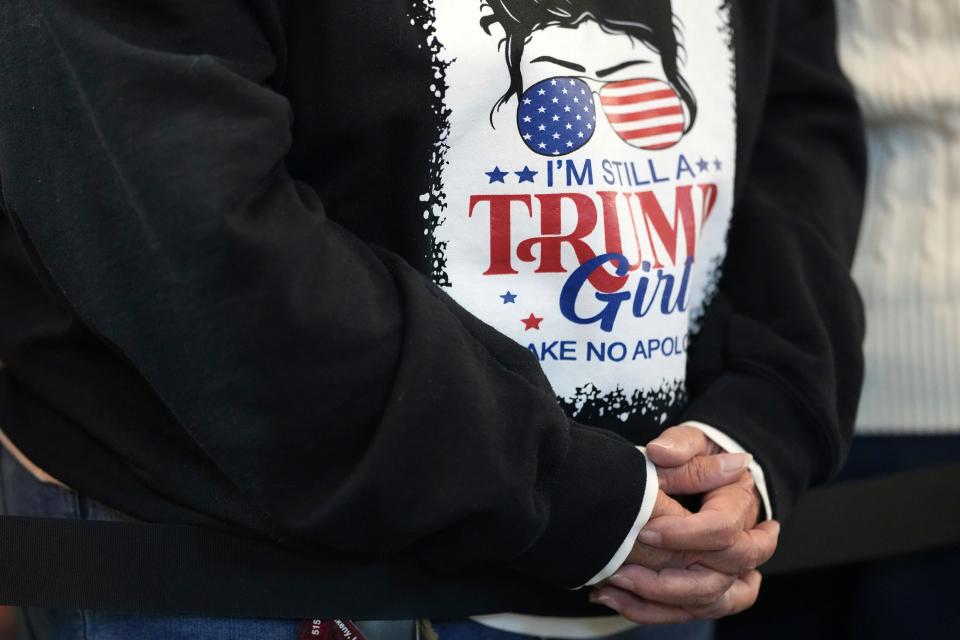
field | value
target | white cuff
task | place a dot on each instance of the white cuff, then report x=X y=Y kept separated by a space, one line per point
x=646 y=509
x=730 y=445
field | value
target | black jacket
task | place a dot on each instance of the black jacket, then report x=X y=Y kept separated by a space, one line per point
x=217 y=306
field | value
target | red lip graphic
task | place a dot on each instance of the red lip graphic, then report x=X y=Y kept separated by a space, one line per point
x=645 y=112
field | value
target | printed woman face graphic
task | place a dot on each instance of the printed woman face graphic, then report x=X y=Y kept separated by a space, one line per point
x=566 y=66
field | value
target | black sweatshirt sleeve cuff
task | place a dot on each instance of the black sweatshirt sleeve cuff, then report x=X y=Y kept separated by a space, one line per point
x=594 y=500
x=771 y=425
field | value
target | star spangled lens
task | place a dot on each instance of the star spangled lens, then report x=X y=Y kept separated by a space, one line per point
x=556 y=116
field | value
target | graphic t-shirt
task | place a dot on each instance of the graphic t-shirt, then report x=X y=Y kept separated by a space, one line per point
x=584 y=184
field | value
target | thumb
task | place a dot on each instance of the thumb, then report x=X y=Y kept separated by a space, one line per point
x=678 y=445
x=703 y=473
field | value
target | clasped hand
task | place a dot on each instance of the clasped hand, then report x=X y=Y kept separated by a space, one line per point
x=688 y=565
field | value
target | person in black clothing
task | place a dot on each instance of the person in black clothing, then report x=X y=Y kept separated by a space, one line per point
x=277 y=269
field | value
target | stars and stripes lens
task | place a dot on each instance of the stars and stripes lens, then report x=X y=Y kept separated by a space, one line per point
x=557 y=116
x=646 y=113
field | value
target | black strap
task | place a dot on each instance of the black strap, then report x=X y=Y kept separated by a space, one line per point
x=871 y=519
x=177 y=569
x=189 y=570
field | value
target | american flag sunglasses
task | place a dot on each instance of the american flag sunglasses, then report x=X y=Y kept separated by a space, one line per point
x=558 y=115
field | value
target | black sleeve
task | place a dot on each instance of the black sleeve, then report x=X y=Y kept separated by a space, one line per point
x=142 y=152
x=778 y=364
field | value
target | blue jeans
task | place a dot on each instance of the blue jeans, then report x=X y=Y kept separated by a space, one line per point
x=22 y=494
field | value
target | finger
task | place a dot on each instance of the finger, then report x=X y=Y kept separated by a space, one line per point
x=706 y=530
x=723 y=515
x=659 y=559
x=741 y=494
x=751 y=549
x=741 y=596
x=703 y=473
x=696 y=586
x=667 y=506
x=656 y=558
x=636 y=610
x=678 y=445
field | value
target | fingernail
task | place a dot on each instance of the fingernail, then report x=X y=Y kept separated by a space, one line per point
x=606 y=601
x=666 y=443
x=730 y=462
x=652 y=538
x=622 y=581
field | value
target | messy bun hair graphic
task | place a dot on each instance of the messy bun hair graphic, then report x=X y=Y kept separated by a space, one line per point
x=650 y=22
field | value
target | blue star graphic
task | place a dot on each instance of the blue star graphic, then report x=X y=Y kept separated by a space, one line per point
x=526 y=174
x=717 y=164
x=496 y=175
x=508 y=297
x=703 y=165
